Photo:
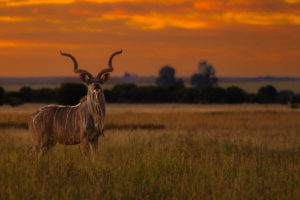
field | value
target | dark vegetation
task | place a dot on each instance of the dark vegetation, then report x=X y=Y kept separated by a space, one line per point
x=70 y=94
x=168 y=89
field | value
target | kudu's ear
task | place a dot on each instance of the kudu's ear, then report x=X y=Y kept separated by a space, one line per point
x=85 y=78
x=106 y=77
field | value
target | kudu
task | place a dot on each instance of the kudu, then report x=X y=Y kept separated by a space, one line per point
x=71 y=125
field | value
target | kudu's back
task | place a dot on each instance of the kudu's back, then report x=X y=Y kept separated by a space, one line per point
x=55 y=124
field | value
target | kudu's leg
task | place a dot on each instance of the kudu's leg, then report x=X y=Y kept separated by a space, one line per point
x=47 y=146
x=34 y=149
x=85 y=147
x=94 y=145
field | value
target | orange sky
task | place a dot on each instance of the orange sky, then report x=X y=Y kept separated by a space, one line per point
x=239 y=37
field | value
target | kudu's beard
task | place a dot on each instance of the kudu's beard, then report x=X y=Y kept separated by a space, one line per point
x=96 y=100
x=96 y=96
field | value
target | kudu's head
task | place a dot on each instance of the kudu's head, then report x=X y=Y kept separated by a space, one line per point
x=94 y=84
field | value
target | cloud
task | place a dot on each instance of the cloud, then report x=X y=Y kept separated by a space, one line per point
x=260 y=18
x=14 y=19
x=292 y=1
x=156 y=21
x=35 y=2
x=34 y=44
x=40 y=2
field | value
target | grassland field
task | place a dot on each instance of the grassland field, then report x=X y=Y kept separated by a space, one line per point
x=163 y=151
x=251 y=87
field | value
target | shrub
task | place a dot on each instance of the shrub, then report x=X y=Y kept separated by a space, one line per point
x=123 y=93
x=296 y=98
x=70 y=93
x=2 y=92
x=267 y=94
x=188 y=95
x=212 y=95
x=26 y=94
x=285 y=96
x=13 y=99
x=235 y=94
x=44 y=95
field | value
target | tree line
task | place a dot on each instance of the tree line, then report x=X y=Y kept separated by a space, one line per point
x=71 y=93
x=168 y=89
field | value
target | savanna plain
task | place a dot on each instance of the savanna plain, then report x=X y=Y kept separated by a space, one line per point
x=163 y=151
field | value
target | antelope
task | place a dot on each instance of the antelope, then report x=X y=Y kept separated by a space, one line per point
x=70 y=125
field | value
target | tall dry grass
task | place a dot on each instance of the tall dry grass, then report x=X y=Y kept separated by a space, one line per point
x=163 y=154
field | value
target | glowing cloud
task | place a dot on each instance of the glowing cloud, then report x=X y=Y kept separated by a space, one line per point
x=157 y=21
x=260 y=18
x=292 y=1
x=36 y=2
x=14 y=19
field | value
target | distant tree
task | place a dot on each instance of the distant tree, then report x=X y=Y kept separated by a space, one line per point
x=205 y=77
x=235 y=94
x=1 y=95
x=166 y=76
x=267 y=94
x=70 y=93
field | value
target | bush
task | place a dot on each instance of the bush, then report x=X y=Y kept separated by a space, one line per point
x=26 y=94
x=68 y=93
x=2 y=92
x=235 y=94
x=44 y=95
x=130 y=93
x=212 y=95
x=187 y=95
x=13 y=98
x=123 y=93
x=296 y=98
x=267 y=94
x=285 y=96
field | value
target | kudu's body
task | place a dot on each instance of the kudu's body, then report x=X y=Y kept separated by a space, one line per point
x=71 y=125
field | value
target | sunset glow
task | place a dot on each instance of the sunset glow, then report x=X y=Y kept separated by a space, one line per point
x=239 y=37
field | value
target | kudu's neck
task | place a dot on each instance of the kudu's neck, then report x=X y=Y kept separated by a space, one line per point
x=96 y=103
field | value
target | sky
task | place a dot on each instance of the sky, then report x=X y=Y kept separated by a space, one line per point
x=243 y=38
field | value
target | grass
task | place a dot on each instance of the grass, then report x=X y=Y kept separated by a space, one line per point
x=225 y=152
